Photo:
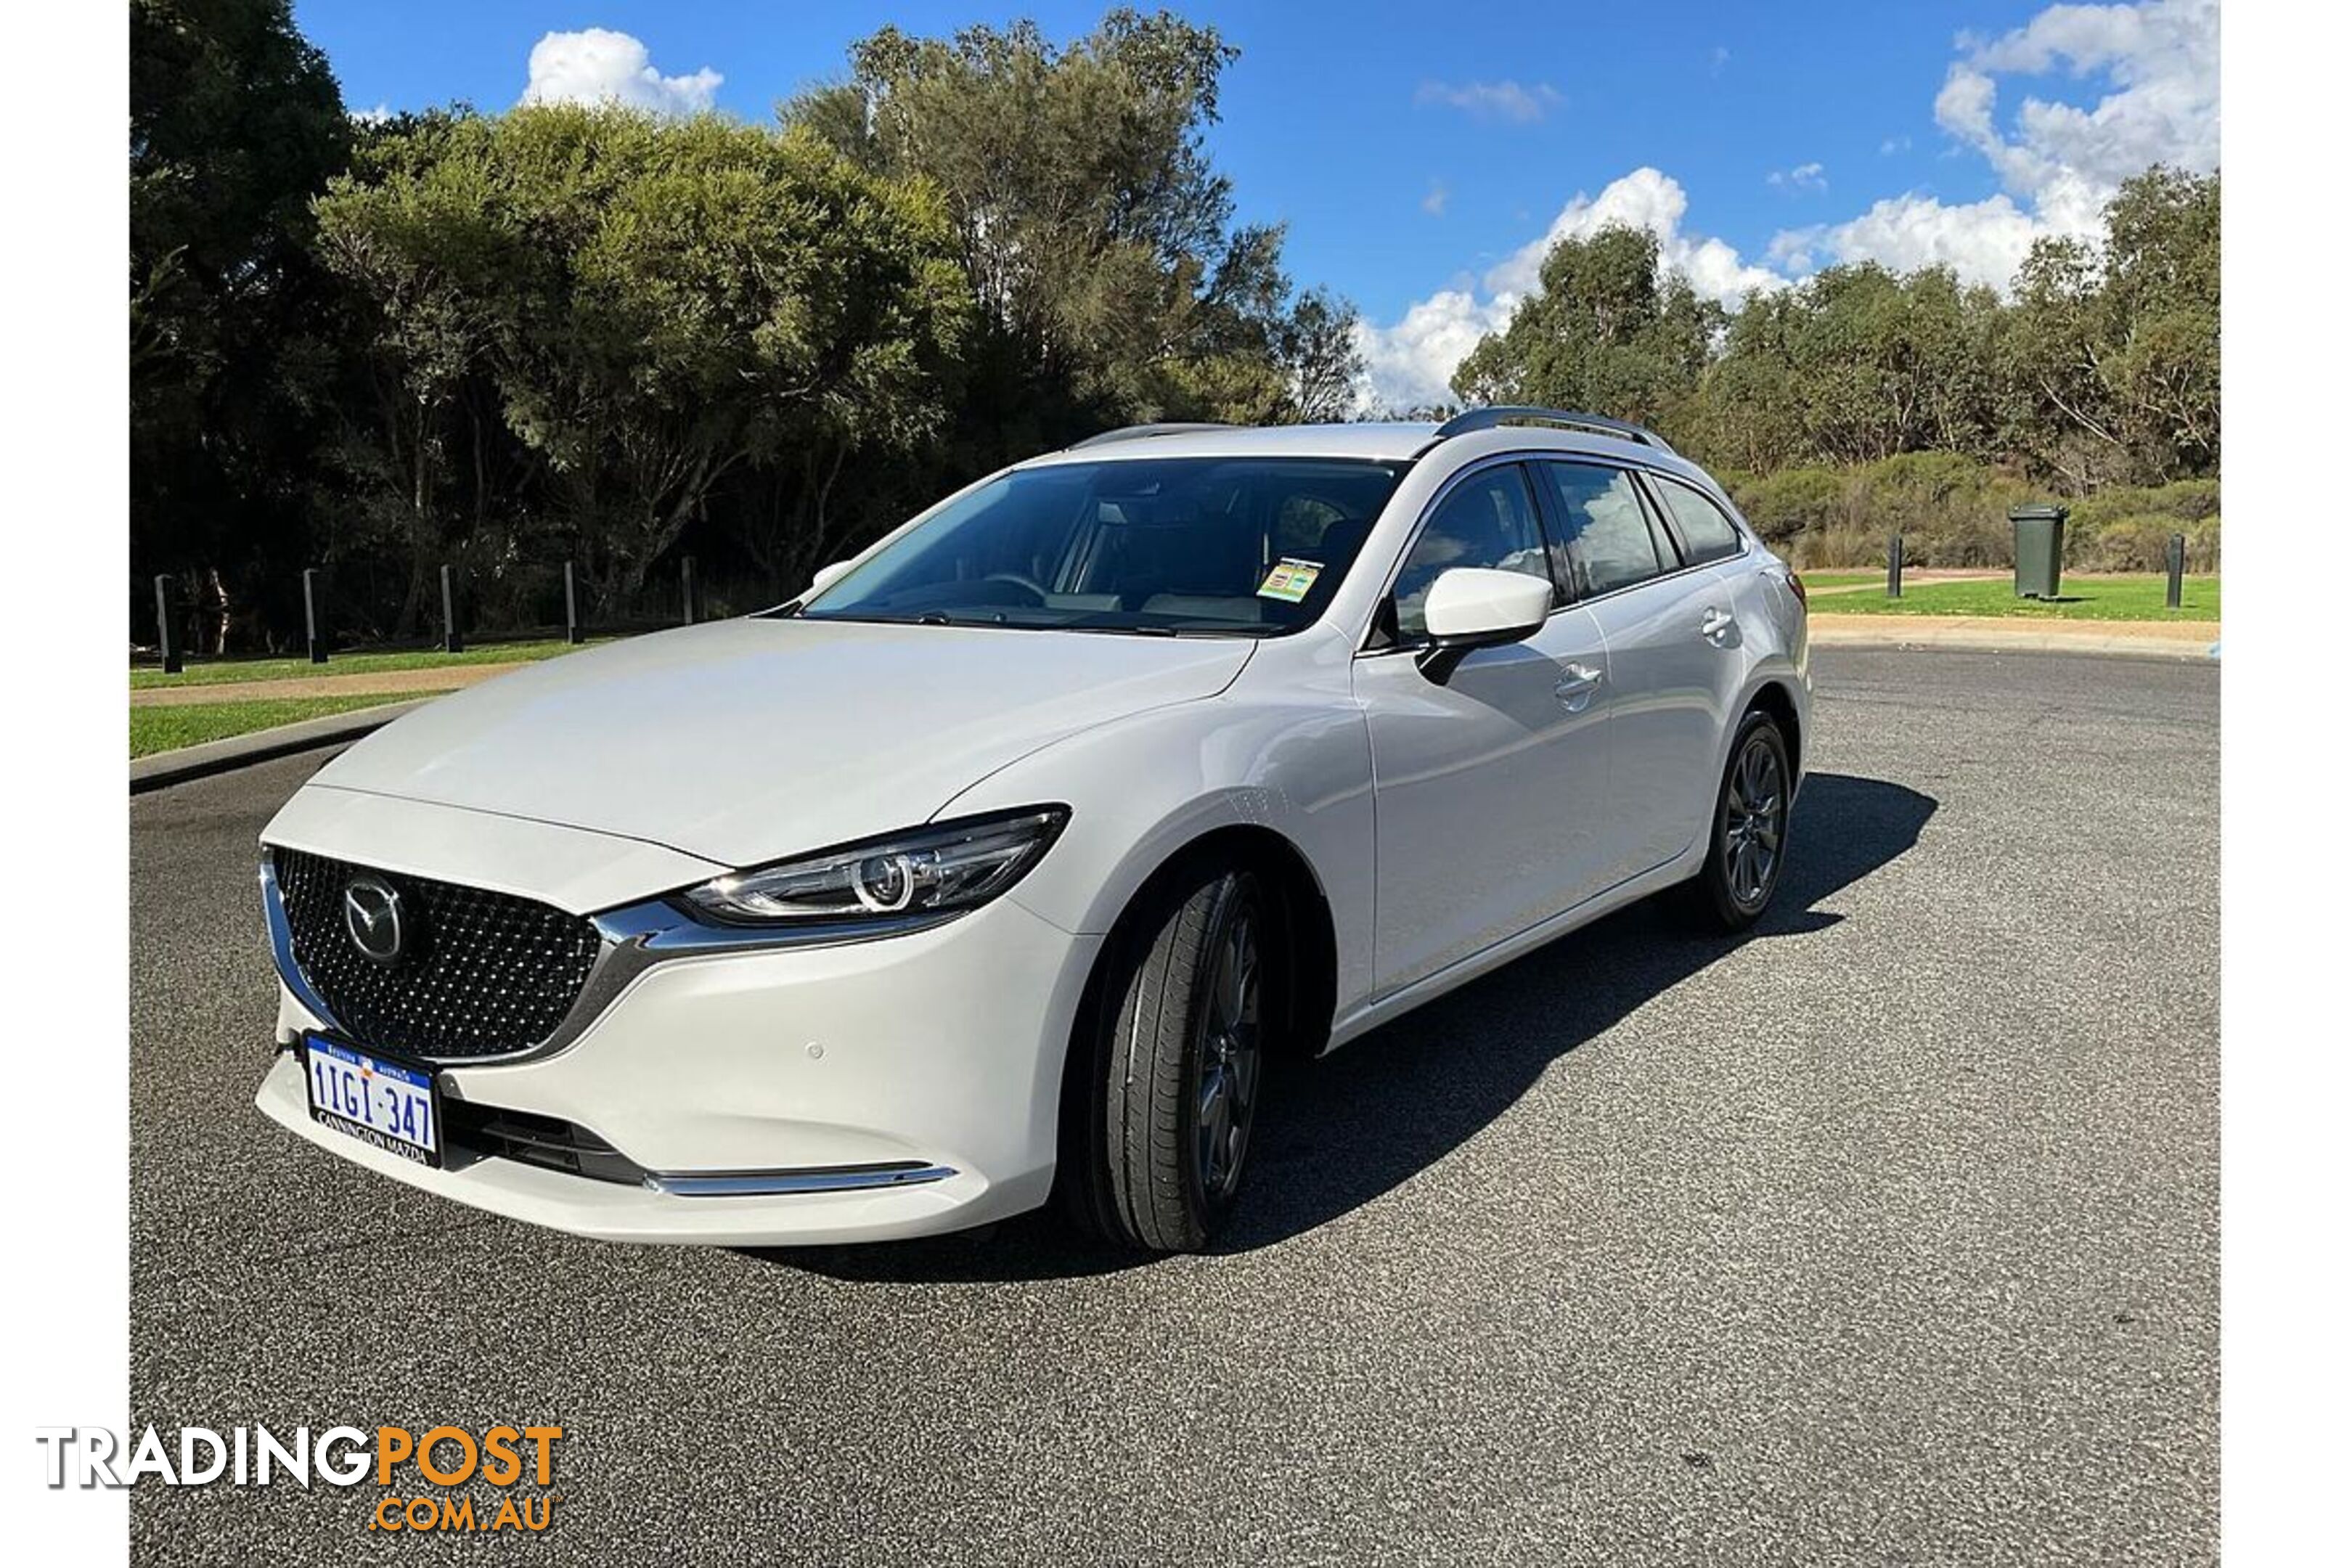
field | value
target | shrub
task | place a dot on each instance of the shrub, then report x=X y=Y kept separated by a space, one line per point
x=1787 y=505
x=1953 y=510
x=2128 y=528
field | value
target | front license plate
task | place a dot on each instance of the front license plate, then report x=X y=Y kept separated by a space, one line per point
x=389 y=1104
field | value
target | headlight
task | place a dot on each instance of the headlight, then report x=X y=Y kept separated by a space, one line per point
x=939 y=869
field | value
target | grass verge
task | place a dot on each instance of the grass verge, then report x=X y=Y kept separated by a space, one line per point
x=221 y=671
x=2118 y=598
x=156 y=729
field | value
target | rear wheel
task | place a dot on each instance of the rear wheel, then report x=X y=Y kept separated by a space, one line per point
x=1156 y=1129
x=1750 y=834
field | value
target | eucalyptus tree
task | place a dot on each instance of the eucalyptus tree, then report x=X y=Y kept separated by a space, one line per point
x=658 y=304
x=1607 y=329
x=236 y=122
x=1095 y=232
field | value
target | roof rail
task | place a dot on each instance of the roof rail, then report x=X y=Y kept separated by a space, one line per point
x=1463 y=423
x=1142 y=432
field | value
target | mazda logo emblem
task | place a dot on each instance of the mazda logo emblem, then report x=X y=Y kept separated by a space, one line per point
x=371 y=917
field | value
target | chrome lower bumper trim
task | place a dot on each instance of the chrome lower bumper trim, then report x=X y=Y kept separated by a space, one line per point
x=779 y=1183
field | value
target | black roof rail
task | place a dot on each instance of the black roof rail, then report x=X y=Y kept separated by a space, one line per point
x=1470 y=419
x=1142 y=432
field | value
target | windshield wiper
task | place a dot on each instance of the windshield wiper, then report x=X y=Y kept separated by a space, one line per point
x=1002 y=622
x=884 y=618
x=1161 y=631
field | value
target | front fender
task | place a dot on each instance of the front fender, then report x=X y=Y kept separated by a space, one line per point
x=1287 y=751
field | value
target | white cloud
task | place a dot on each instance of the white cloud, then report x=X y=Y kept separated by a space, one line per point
x=2058 y=163
x=1643 y=199
x=1717 y=59
x=1803 y=177
x=1494 y=100
x=377 y=116
x=1893 y=144
x=1982 y=241
x=1434 y=203
x=1409 y=364
x=2162 y=61
x=2157 y=100
x=596 y=64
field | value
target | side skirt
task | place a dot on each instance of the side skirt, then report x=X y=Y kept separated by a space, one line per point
x=1372 y=1014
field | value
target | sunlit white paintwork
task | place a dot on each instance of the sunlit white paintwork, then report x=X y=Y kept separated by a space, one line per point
x=1477 y=601
x=743 y=741
x=1449 y=828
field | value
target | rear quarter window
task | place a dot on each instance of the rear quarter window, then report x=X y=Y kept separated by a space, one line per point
x=1707 y=535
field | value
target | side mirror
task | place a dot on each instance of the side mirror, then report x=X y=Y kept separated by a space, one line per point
x=826 y=577
x=1472 y=607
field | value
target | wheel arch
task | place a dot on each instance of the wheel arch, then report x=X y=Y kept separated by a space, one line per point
x=1310 y=934
x=1309 y=989
x=1774 y=697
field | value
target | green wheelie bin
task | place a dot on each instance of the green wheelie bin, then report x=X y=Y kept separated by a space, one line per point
x=2041 y=533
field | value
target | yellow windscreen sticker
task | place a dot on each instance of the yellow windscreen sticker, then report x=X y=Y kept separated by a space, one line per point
x=1290 y=580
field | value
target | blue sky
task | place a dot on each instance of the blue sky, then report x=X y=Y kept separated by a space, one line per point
x=1422 y=155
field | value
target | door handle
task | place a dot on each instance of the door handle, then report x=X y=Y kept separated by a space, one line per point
x=1577 y=686
x=1718 y=627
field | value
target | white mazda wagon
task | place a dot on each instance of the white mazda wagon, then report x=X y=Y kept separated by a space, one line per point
x=992 y=869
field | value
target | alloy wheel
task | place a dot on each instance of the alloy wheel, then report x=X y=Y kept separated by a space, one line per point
x=1229 y=1057
x=1755 y=804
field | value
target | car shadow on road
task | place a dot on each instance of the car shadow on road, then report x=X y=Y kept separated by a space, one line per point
x=1340 y=1131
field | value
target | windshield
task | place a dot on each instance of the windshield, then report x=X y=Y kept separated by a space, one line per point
x=1181 y=546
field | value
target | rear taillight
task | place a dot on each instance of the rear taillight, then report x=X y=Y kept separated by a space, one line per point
x=1796 y=587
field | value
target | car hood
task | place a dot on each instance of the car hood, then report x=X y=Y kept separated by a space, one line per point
x=751 y=740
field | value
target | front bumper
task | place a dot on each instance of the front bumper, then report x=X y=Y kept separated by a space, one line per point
x=730 y=1076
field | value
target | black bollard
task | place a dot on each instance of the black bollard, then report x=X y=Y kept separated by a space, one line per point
x=452 y=640
x=1894 y=565
x=2176 y=559
x=311 y=614
x=571 y=607
x=685 y=583
x=164 y=643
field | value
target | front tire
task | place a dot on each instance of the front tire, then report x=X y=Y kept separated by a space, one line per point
x=1157 y=1128
x=1748 y=844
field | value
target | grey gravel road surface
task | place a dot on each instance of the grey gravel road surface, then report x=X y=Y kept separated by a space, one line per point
x=1888 y=1235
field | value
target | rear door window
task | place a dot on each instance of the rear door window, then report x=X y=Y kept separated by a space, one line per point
x=1707 y=533
x=1604 y=541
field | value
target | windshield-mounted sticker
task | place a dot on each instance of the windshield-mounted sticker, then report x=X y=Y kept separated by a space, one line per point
x=1290 y=580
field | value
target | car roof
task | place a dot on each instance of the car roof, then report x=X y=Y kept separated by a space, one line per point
x=1372 y=440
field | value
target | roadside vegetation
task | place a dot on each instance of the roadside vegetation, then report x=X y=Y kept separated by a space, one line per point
x=507 y=342
x=1953 y=512
x=154 y=730
x=1865 y=402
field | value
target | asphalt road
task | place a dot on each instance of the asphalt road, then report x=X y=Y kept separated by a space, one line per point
x=1889 y=1234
